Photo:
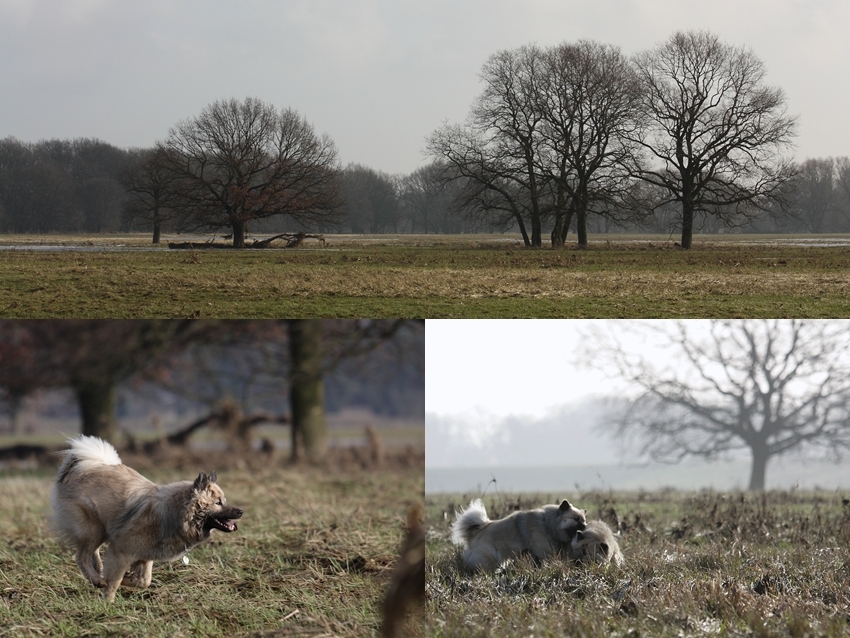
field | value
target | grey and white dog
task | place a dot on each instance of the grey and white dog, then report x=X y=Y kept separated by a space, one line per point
x=596 y=542
x=541 y=532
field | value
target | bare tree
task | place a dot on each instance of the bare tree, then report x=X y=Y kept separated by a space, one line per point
x=496 y=151
x=150 y=187
x=550 y=137
x=768 y=387
x=714 y=129
x=588 y=99
x=242 y=161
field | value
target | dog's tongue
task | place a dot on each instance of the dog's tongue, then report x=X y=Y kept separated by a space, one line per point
x=223 y=524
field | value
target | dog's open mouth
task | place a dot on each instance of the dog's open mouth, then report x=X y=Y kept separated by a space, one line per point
x=224 y=521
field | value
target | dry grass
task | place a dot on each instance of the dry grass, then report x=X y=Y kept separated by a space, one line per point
x=312 y=557
x=433 y=276
x=702 y=564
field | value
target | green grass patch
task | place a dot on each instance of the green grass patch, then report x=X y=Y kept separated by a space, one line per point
x=312 y=556
x=697 y=564
x=434 y=276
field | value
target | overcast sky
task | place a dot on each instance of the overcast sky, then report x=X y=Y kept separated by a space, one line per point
x=377 y=75
x=506 y=366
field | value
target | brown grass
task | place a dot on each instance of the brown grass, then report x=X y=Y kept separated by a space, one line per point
x=702 y=564
x=436 y=276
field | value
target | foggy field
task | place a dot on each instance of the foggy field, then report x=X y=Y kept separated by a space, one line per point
x=696 y=564
x=312 y=556
x=429 y=276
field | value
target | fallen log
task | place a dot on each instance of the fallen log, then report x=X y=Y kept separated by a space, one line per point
x=293 y=240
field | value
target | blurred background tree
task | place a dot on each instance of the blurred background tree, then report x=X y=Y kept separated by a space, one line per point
x=280 y=371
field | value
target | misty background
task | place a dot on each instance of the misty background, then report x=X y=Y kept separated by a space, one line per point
x=510 y=407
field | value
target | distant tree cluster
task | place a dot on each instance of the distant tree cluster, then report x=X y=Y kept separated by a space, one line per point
x=421 y=202
x=62 y=186
x=817 y=200
x=565 y=132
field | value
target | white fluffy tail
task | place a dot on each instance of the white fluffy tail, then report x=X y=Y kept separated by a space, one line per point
x=88 y=451
x=469 y=521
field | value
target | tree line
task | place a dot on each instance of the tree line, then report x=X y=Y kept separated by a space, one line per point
x=574 y=138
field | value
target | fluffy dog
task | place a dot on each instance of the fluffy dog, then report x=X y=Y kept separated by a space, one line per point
x=97 y=499
x=541 y=532
x=596 y=542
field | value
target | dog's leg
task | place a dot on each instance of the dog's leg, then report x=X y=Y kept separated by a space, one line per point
x=90 y=566
x=147 y=573
x=139 y=574
x=115 y=565
x=133 y=578
x=96 y=563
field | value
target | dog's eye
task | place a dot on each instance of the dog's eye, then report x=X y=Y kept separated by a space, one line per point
x=218 y=502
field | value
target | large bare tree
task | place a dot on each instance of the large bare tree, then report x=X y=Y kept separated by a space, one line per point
x=237 y=162
x=496 y=151
x=588 y=100
x=768 y=387
x=551 y=137
x=715 y=131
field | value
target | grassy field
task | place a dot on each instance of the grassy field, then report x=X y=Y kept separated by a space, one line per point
x=312 y=556
x=697 y=564
x=430 y=276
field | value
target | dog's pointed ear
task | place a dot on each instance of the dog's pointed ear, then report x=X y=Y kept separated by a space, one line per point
x=213 y=477
x=565 y=505
x=202 y=482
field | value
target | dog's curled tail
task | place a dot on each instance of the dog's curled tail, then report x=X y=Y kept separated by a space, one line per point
x=86 y=451
x=469 y=521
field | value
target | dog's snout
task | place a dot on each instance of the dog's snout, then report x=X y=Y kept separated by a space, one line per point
x=237 y=513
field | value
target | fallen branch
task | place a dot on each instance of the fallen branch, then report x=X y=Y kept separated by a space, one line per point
x=293 y=240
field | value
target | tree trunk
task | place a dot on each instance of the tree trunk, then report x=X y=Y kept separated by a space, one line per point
x=580 y=204
x=687 y=221
x=759 y=468
x=307 y=388
x=157 y=231
x=522 y=230
x=97 y=408
x=557 y=242
x=581 y=228
x=536 y=231
x=238 y=234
